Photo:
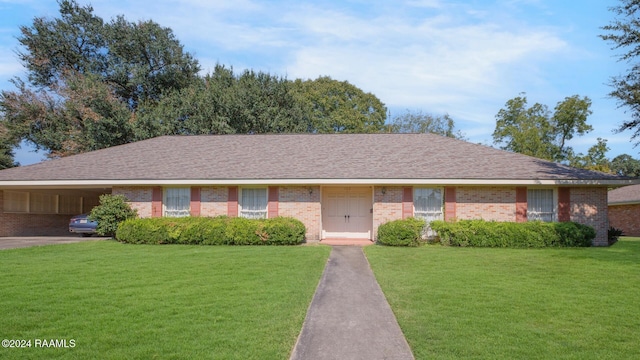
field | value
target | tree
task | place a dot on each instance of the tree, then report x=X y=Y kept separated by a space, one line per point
x=624 y=33
x=332 y=106
x=625 y=165
x=225 y=103
x=6 y=149
x=87 y=79
x=536 y=132
x=595 y=159
x=418 y=122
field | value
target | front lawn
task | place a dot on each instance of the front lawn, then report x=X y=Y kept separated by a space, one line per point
x=120 y=301
x=479 y=303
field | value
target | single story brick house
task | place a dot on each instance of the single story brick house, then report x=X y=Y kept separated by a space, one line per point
x=624 y=209
x=338 y=185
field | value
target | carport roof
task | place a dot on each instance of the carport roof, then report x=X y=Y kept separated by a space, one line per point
x=302 y=159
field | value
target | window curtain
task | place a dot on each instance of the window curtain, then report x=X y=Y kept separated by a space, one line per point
x=177 y=202
x=428 y=204
x=253 y=203
x=540 y=205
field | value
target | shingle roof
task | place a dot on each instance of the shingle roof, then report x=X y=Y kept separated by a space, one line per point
x=625 y=195
x=299 y=156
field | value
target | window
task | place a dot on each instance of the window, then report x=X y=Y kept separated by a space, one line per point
x=70 y=205
x=177 y=202
x=253 y=203
x=541 y=205
x=16 y=201
x=43 y=203
x=427 y=204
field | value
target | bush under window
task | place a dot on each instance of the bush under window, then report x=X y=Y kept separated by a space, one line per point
x=220 y=230
x=533 y=234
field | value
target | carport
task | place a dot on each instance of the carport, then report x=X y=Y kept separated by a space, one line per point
x=44 y=210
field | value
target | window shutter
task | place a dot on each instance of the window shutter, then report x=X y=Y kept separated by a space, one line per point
x=232 y=201
x=449 y=203
x=156 y=202
x=564 y=204
x=272 y=210
x=195 y=201
x=521 y=204
x=407 y=202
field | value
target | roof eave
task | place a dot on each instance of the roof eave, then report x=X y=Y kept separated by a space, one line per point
x=227 y=182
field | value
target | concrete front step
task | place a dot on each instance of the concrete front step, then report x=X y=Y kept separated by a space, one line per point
x=347 y=242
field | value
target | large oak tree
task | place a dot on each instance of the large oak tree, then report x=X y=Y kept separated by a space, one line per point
x=624 y=33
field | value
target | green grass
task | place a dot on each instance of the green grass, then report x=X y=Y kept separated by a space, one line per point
x=478 y=303
x=122 y=301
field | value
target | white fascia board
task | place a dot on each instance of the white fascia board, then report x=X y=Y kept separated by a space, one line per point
x=227 y=182
x=619 y=203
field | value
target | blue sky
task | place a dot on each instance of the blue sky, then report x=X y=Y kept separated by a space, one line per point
x=464 y=58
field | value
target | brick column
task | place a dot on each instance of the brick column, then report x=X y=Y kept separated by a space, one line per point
x=195 y=201
x=449 y=203
x=232 y=202
x=156 y=202
x=521 y=204
x=564 y=204
x=272 y=207
x=407 y=202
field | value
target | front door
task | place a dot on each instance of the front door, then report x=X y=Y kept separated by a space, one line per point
x=347 y=212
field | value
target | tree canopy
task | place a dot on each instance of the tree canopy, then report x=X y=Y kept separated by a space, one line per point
x=93 y=83
x=624 y=34
x=535 y=131
x=332 y=106
x=419 y=122
x=625 y=165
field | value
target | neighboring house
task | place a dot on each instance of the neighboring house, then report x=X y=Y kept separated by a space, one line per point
x=338 y=185
x=624 y=209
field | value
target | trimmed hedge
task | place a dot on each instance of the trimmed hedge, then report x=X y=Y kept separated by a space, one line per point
x=406 y=232
x=533 y=234
x=220 y=230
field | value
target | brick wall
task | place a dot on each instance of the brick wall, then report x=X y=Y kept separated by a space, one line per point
x=213 y=201
x=589 y=206
x=625 y=218
x=139 y=198
x=302 y=203
x=387 y=206
x=487 y=203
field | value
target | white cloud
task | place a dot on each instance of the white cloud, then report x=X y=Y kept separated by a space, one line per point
x=436 y=63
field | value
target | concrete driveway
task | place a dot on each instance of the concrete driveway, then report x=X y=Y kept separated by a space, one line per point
x=26 y=241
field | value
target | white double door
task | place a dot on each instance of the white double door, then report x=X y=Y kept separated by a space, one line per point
x=347 y=212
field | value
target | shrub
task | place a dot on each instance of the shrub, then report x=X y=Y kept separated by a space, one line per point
x=220 y=230
x=613 y=234
x=284 y=231
x=113 y=210
x=534 y=234
x=407 y=232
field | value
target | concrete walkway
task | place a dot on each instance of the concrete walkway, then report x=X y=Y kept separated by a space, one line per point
x=349 y=317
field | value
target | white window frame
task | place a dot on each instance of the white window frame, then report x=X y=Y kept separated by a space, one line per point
x=185 y=211
x=253 y=214
x=535 y=217
x=429 y=215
